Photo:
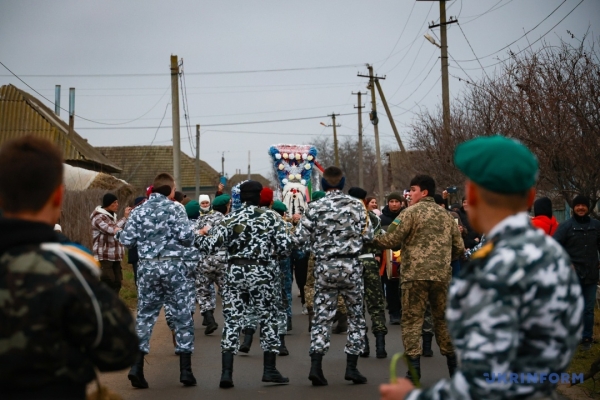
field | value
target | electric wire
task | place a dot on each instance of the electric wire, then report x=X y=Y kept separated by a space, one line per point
x=401 y=33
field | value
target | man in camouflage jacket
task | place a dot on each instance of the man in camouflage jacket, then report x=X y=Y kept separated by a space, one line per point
x=336 y=228
x=253 y=237
x=515 y=309
x=58 y=322
x=430 y=239
x=164 y=236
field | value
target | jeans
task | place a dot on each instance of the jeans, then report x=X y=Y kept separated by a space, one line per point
x=455 y=267
x=589 y=300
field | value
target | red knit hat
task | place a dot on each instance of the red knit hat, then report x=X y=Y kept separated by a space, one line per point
x=266 y=197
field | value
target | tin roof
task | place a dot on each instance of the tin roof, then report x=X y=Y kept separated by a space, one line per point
x=22 y=114
x=237 y=178
x=142 y=163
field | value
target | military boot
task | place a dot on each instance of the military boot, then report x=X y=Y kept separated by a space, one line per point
x=204 y=322
x=452 y=364
x=416 y=365
x=185 y=370
x=289 y=323
x=367 y=351
x=283 y=351
x=227 y=370
x=352 y=373
x=316 y=370
x=342 y=324
x=427 y=339
x=211 y=323
x=136 y=373
x=270 y=373
x=380 y=345
x=248 y=335
x=311 y=315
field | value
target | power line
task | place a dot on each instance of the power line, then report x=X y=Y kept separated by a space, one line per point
x=191 y=73
x=513 y=42
x=79 y=116
x=469 y=43
x=417 y=88
x=222 y=124
x=419 y=102
x=186 y=108
x=401 y=33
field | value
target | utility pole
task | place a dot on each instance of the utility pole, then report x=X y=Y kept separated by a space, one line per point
x=375 y=121
x=335 y=141
x=57 y=100
x=175 y=119
x=444 y=48
x=223 y=164
x=360 y=140
x=197 y=161
x=390 y=117
x=249 y=175
x=71 y=110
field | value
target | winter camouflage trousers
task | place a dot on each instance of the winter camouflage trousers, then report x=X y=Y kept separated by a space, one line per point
x=191 y=276
x=165 y=283
x=251 y=316
x=309 y=288
x=259 y=285
x=415 y=295
x=334 y=278
x=286 y=270
x=211 y=271
x=374 y=299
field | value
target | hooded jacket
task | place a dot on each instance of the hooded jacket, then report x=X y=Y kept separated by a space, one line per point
x=546 y=224
x=104 y=228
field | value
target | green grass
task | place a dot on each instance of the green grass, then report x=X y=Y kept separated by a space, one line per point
x=583 y=359
x=128 y=289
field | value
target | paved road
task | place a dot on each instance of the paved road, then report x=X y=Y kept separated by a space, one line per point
x=162 y=368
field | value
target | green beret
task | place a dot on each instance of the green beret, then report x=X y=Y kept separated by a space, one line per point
x=318 y=195
x=498 y=164
x=279 y=206
x=192 y=209
x=221 y=200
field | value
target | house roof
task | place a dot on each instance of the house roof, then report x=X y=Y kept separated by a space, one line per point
x=237 y=178
x=141 y=164
x=22 y=114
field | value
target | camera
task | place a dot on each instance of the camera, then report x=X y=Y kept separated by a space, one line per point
x=452 y=189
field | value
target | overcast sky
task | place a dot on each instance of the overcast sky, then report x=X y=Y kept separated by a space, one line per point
x=117 y=53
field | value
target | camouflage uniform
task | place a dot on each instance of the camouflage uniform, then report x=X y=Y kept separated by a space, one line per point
x=57 y=320
x=252 y=236
x=336 y=228
x=430 y=239
x=309 y=288
x=211 y=269
x=373 y=290
x=163 y=233
x=515 y=308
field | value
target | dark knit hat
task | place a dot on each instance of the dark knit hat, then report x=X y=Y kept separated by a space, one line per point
x=439 y=200
x=542 y=206
x=395 y=196
x=250 y=187
x=266 y=197
x=357 y=192
x=108 y=199
x=139 y=200
x=581 y=199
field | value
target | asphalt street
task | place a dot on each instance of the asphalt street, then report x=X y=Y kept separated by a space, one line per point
x=162 y=367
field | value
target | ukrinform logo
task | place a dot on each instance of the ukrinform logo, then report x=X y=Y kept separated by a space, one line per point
x=541 y=377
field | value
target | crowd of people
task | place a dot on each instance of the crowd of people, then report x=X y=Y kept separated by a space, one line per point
x=500 y=291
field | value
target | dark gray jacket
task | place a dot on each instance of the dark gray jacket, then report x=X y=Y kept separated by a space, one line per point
x=580 y=237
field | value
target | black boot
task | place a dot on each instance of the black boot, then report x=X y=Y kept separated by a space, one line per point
x=452 y=364
x=380 y=345
x=185 y=370
x=342 y=324
x=311 y=315
x=352 y=373
x=316 y=370
x=227 y=370
x=289 y=323
x=367 y=351
x=204 y=322
x=210 y=321
x=248 y=334
x=283 y=351
x=270 y=373
x=427 y=339
x=416 y=364
x=136 y=374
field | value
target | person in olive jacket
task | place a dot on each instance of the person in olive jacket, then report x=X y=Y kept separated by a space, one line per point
x=580 y=237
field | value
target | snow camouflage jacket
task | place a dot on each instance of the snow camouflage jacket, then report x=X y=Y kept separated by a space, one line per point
x=213 y=218
x=336 y=225
x=430 y=239
x=515 y=308
x=376 y=224
x=249 y=233
x=160 y=228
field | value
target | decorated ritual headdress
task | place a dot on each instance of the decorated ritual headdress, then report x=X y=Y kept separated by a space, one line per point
x=236 y=202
